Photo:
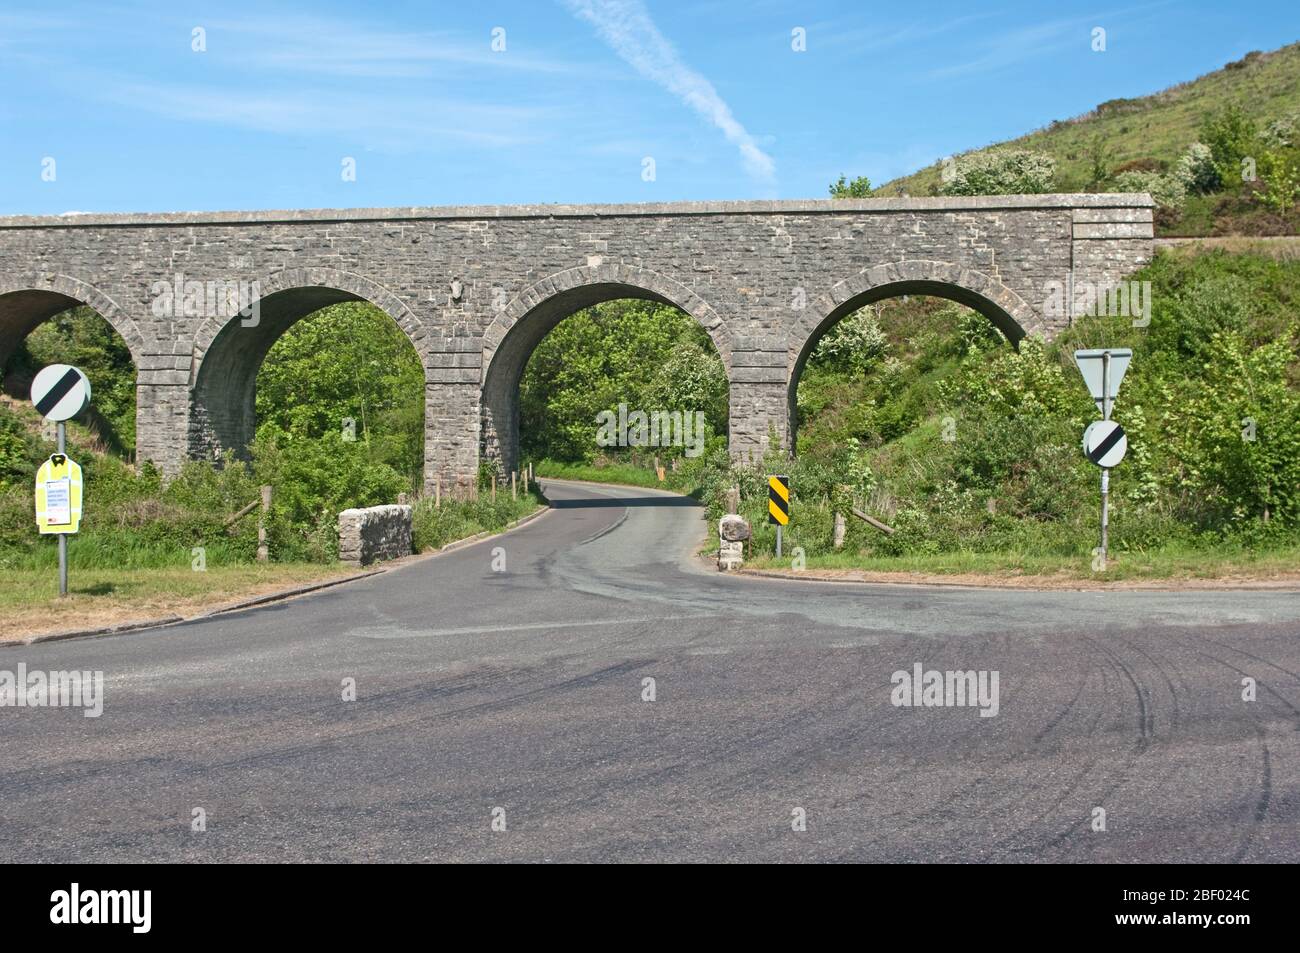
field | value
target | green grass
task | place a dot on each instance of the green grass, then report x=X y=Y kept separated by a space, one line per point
x=1159 y=126
x=621 y=473
x=1170 y=562
x=120 y=550
x=435 y=527
x=686 y=481
x=30 y=603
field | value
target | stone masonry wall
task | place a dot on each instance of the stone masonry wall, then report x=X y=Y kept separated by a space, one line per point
x=468 y=284
x=374 y=533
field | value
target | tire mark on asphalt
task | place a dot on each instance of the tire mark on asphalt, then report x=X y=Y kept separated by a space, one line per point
x=1266 y=772
x=1261 y=803
x=1146 y=719
x=1119 y=777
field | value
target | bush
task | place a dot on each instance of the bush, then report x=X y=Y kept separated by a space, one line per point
x=1168 y=191
x=859 y=188
x=1281 y=133
x=854 y=344
x=999 y=172
x=1196 y=171
x=1281 y=173
x=433 y=527
x=1230 y=135
x=625 y=351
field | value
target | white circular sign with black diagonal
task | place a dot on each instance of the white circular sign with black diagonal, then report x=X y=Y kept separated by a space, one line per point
x=60 y=392
x=1104 y=443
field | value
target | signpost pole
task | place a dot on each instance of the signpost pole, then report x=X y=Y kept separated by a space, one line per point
x=1105 y=471
x=62 y=439
x=778 y=540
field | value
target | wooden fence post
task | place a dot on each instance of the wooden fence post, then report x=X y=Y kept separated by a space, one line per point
x=263 y=549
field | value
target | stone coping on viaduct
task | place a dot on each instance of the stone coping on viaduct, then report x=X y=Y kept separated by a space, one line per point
x=982 y=203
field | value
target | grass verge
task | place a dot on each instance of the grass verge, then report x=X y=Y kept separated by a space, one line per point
x=619 y=473
x=102 y=595
x=1173 y=564
x=30 y=605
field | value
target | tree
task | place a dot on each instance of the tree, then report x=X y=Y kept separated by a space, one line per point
x=1231 y=137
x=84 y=339
x=859 y=188
x=646 y=355
x=348 y=361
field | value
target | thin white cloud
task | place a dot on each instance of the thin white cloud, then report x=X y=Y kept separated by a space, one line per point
x=342 y=48
x=1038 y=40
x=858 y=40
x=1014 y=46
x=626 y=26
x=386 y=124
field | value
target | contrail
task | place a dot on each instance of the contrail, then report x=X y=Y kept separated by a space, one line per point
x=626 y=26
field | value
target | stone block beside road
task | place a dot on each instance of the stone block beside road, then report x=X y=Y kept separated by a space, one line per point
x=374 y=533
x=732 y=532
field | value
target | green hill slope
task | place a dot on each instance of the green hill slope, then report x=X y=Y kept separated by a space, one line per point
x=1151 y=132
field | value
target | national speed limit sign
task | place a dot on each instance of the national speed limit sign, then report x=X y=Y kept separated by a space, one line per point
x=60 y=392
x=1104 y=443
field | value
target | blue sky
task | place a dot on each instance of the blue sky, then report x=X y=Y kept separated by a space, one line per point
x=582 y=93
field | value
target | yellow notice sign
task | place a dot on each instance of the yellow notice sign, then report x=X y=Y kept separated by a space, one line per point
x=58 y=495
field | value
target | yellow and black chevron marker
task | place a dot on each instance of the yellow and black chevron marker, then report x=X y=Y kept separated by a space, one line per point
x=778 y=500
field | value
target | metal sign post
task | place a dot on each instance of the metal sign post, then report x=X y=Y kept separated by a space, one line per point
x=63 y=537
x=1105 y=471
x=60 y=392
x=1104 y=442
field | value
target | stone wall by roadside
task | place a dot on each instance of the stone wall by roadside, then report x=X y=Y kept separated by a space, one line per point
x=374 y=533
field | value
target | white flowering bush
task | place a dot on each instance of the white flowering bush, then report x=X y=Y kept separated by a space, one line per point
x=1196 y=171
x=1167 y=190
x=854 y=344
x=999 y=172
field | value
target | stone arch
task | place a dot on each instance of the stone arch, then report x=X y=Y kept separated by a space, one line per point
x=349 y=286
x=520 y=326
x=28 y=300
x=1010 y=313
x=228 y=353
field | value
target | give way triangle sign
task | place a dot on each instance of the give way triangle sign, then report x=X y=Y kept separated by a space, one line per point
x=1090 y=366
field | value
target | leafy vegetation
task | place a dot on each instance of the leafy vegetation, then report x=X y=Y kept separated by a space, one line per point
x=1220 y=154
x=82 y=338
x=435 y=526
x=965 y=445
x=999 y=172
x=859 y=188
x=348 y=362
x=913 y=410
x=642 y=354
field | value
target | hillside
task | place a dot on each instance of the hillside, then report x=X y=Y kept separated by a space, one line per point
x=1152 y=132
x=966 y=446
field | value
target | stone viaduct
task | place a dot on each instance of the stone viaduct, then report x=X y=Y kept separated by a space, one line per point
x=476 y=288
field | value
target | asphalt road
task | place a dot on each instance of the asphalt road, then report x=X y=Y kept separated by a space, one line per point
x=523 y=690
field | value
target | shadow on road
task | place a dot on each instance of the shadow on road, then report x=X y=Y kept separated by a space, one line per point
x=624 y=501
